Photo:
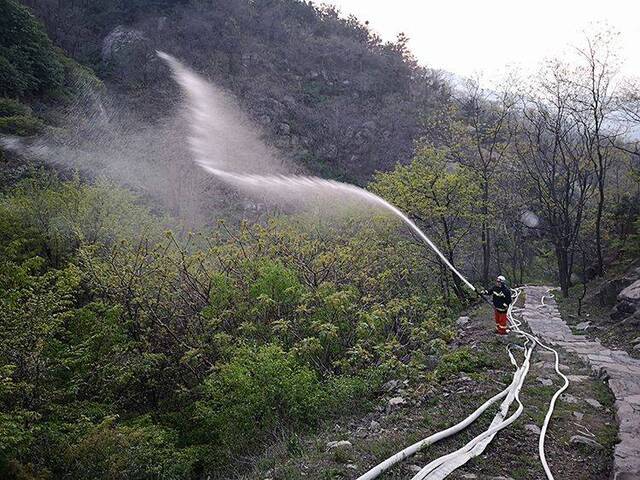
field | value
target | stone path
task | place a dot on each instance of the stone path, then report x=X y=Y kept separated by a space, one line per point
x=622 y=372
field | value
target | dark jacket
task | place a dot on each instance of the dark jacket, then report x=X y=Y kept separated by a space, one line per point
x=501 y=297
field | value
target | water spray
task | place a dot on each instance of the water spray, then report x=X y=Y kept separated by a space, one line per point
x=204 y=124
x=204 y=103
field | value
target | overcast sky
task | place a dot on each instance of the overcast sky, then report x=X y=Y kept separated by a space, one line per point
x=468 y=37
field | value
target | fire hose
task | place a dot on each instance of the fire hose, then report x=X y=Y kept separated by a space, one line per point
x=443 y=466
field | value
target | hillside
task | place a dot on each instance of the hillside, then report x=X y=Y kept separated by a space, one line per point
x=327 y=91
x=178 y=302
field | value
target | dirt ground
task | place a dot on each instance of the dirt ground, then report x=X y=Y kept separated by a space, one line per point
x=428 y=408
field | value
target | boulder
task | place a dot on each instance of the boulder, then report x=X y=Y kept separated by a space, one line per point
x=396 y=402
x=530 y=427
x=633 y=320
x=339 y=444
x=581 y=439
x=593 y=402
x=545 y=381
x=631 y=294
x=628 y=303
x=608 y=292
x=391 y=385
x=583 y=325
x=128 y=54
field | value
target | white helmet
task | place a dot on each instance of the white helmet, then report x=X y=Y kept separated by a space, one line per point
x=501 y=279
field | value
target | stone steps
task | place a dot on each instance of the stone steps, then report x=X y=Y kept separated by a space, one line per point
x=621 y=371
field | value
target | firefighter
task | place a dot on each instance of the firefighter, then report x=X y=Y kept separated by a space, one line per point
x=501 y=296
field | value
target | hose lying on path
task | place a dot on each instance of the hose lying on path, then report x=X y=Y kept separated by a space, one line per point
x=443 y=466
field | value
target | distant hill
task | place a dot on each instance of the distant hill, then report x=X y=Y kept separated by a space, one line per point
x=326 y=90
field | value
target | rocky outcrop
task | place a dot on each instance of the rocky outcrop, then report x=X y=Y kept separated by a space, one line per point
x=128 y=54
x=608 y=292
x=628 y=307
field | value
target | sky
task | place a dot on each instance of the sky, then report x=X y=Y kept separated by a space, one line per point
x=481 y=37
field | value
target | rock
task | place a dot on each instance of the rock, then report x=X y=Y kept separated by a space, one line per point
x=631 y=293
x=391 y=385
x=628 y=303
x=578 y=415
x=462 y=321
x=414 y=468
x=469 y=476
x=161 y=23
x=339 y=444
x=637 y=347
x=635 y=341
x=396 y=402
x=545 y=381
x=626 y=306
x=617 y=315
x=608 y=291
x=633 y=320
x=567 y=397
x=581 y=439
x=284 y=128
x=530 y=427
x=593 y=402
x=583 y=325
x=128 y=53
x=374 y=426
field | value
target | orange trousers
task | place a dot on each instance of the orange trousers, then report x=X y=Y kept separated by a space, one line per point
x=501 y=322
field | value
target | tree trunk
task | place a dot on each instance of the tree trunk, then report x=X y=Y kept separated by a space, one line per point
x=486 y=244
x=600 y=267
x=563 y=269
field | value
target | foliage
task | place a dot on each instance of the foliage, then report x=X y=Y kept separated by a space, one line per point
x=20 y=125
x=10 y=107
x=437 y=194
x=461 y=360
x=255 y=392
x=126 y=353
x=28 y=63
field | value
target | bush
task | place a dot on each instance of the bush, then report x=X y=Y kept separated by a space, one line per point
x=256 y=391
x=139 y=451
x=460 y=360
x=28 y=62
x=20 y=125
x=10 y=108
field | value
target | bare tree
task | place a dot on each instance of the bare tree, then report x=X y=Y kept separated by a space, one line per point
x=593 y=107
x=554 y=174
x=489 y=115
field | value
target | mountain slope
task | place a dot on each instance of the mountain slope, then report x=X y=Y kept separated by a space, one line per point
x=326 y=90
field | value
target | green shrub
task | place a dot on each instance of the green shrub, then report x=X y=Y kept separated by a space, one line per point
x=121 y=452
x=258 y=390
x=276 y=285
x=460 y=360
x=10 y=108
x=20 y=125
